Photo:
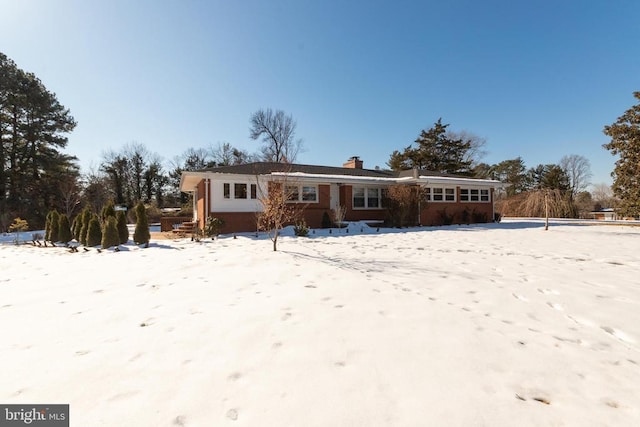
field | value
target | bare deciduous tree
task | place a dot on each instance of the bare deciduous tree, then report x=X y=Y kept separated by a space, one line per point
x=404 y=203
x=338 y=215
x=225 y=154
x=277 y=212
x=476 y=151
x=70 y=192
x=277 y=131
x=578 y=170
x=602 y=195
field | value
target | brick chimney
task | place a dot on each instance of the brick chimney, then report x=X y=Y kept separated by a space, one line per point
x=353 y=163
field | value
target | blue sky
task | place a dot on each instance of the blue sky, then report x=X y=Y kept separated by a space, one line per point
x=536 y=79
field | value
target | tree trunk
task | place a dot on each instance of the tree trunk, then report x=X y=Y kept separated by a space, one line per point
x=546 y=209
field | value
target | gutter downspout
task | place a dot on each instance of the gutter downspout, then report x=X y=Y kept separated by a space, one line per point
x=194 y=202
x=206 y=201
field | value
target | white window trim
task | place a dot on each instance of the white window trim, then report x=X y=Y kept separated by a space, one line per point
x=366 y=198
x=467 y=198
x=232 y=191
x=430 y=194
x=300 y=194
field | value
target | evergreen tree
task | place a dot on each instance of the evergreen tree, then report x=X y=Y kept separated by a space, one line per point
x=141 y=234
x=33 y=125
x=76 y=225
x=514 y=173
x=47 y=226
x=435 y=151
x=108 y=210
x=123 y=230
x=110 y=233
x=625 y=143
x=55 y=227
x=84 y=228
x=94 y=234
x=64 y=230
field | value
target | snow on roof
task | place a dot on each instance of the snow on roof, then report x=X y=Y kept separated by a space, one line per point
x=407 y=179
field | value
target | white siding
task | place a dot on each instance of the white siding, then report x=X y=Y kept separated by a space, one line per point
x=219 y=204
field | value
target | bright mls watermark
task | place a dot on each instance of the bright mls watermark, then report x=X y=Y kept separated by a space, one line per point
x=34 y=415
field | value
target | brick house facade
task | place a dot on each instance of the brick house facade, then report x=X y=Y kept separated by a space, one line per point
x=233 y=193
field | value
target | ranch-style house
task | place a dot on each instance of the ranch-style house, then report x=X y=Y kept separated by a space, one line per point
x=233 y=193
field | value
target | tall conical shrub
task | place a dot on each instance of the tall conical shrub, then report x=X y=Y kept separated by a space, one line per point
x=86 y=218
x=108 y=210
x=64 y=230
x=123 y=230
x=76 y=224
x=54 y=227
x=94 y=234
x=141 y=234
x=47 y=226
x=110 y=233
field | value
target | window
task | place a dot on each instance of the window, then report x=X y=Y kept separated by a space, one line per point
x=293 y=193
x=358 y=197
x=227 y=190
x=309 y=194
x=367 y=198
x=474 y=195
x=450 y=194
x=440 y=194
x=254 y=191
x=373 y=197
x=302 y=193
x=239 y=191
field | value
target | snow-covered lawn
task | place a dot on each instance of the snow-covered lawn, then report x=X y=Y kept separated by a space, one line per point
x=498 y=325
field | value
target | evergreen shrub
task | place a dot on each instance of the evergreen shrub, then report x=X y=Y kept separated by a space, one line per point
x=108 y=210
x=64 y=230
x=94 y=234
x=213 y=226
x=54 y=227
x=110 y=233
x=84 y=228
x=301 y=229
x=326 y=220
x=141 y=234
x=123 y=230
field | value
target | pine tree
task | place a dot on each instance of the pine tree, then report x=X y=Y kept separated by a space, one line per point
x=54 y=226
x=110 y=233
x=435 y=151
x=94 y=234
x=141 y=234
x=33 y=128
x=625 y=142
x=123 y=230
x=64 y=230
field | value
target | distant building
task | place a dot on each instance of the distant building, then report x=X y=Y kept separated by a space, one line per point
x=607 y=214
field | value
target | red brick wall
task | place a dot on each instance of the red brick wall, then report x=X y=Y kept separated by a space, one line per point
x=246 y=221
x=433 y=213
x=236 y=221
x=440 y=213
x=346 y=200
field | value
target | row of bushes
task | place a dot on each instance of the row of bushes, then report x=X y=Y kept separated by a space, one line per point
x=108 y=229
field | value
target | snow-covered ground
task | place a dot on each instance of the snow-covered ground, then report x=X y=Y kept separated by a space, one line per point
x=500 y=325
